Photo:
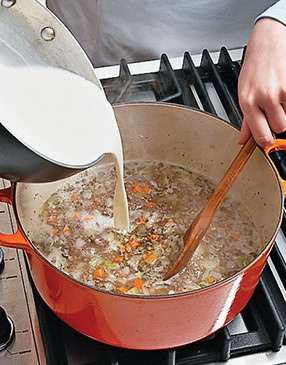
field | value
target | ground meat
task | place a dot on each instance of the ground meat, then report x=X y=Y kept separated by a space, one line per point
x=74 y=230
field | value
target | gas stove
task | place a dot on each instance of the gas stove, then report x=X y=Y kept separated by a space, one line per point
x=257 y=335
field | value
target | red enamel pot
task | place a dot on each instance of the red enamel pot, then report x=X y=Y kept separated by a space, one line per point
x=192 y=139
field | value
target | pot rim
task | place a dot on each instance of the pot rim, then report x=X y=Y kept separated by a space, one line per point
x=176 y=295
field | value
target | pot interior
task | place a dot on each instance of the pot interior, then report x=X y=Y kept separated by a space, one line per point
x=189 y=138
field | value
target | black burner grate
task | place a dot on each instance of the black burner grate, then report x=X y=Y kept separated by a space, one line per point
x=264 y=316
x=162 y=85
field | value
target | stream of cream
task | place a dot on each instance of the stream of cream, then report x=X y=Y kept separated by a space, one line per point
x=64 y=118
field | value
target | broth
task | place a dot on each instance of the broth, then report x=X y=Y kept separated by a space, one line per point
x=74 y=230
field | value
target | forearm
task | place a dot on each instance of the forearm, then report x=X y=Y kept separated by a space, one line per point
x=262 y=80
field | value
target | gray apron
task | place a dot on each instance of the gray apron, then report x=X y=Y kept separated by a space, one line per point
x=139 y=30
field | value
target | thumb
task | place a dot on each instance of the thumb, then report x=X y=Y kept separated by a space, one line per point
x=245 y=133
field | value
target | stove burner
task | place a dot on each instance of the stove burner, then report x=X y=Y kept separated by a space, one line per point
x=1 y=260
x=7 y=329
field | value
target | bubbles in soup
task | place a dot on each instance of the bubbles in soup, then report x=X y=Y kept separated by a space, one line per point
x=74 y=230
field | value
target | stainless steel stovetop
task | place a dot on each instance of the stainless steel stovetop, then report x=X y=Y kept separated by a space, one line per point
x=16 y=298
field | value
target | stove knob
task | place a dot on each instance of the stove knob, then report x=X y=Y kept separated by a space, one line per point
x=7 y=329
x=1 y=260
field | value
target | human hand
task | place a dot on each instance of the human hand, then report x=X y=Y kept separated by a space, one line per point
x=262 y=83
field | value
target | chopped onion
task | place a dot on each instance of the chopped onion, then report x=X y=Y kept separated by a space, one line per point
x=135 y=262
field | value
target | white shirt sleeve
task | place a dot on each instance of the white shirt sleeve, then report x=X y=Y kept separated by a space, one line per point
x=276 y=11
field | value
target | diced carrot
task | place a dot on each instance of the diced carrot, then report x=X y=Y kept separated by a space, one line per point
x=73 y=197
x=130 y=244
x=154 y=236
x=136 y=188
x=55 y=231
x=93 y=206
x=122 y=289
x=147 y=189
x=170 y=220
x=99 y=273
x=118 y=259
x=235 y=236
x=53 y=218
x=226 y=224
x=66 y=229
x=211 y=279
x=134 y=242
x=88 y=218
x=128 y=247
x=151 y=258
x=138 y=283
x=76 y=214
x=141 y=220
x=149 y=204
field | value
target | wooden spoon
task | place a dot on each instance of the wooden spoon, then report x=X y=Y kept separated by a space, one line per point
x=201 y=223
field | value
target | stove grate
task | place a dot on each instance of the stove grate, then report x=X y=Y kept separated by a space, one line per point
x=156 y=86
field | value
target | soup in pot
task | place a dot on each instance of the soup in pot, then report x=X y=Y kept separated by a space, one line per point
x=75 y=231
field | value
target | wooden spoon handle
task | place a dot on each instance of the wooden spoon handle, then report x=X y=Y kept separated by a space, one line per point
x=201 y=223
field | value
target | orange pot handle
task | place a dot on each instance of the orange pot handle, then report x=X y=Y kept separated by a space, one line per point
x=17 y=239
x=280 y=144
